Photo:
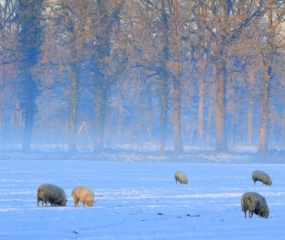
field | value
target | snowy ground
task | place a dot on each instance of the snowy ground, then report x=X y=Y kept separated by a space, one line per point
x=139 y=200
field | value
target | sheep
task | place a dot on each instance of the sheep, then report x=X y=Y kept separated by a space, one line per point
x=51 y=193
x=254 y=203
x=84 y=195
x=180 y=177
x=262 y=177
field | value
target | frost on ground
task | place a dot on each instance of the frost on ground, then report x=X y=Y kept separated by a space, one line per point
x=139 y=200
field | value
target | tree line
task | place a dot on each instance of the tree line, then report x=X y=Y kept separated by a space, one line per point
x=206 y=72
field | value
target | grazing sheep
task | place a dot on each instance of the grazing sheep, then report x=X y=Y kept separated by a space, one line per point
x=262 y=177
x=180 y=177
x=51 y=193
x=254 y=203
x=84 y=195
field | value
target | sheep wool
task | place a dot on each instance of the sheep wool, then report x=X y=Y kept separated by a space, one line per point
x=51 y=193
x=254 y=203
x=262 y=177
x=180 y=177
x=84 y=195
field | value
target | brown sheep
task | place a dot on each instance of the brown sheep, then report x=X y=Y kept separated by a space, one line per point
x=84 y=195
x=180 y=177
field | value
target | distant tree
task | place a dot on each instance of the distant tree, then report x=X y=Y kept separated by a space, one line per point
x=109 y=60
x=150 y=53
x=224 y=22
x=266 y=38
x=163 y=81
x=159 y=53
x=76 y=24
x=70 y=23
x=7 y=32
x=175 y=38
x=200 y=43
x=8 y=60
x=29 y=38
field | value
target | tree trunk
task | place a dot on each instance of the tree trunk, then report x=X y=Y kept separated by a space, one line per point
x=221 y=134
x=163 y=100
x=2 y=104
x=209 y=122
x=201 y=101
x=29 y=109
x=120 y=126
x=73 y=106
x=249 y=134
x=176 y=116
x=249 y=121
x=163 y=92
x=16 y=122
x=29 y=48
x=282 y=133
x=264 y=111
x=266 y=65
x=100 y=116
x=212 y=104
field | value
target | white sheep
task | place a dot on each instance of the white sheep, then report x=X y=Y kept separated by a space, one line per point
x=254 y=203
x=51 y=193
x=262 y=177
x=84 y=195
x=180 y=177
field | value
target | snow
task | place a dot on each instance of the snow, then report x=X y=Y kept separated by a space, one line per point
x=139 y=199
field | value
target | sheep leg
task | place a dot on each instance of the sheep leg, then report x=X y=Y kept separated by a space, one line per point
x=39 y=200
x=250 y=214
x=76 y=200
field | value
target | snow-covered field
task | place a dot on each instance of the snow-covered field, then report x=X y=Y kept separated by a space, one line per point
x=139 y=200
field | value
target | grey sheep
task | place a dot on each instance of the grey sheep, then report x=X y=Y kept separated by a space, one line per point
x=51 y=193
x=84 y=195
x=262 y=177
x=254 y=203
x=180 y=177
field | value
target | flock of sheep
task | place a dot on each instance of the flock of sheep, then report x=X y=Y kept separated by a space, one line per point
x=251 y=201
x=55 y=195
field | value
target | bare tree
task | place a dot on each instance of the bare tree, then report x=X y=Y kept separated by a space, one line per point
x=29 y=19
x=163 y=80
x=109 y=60
x=266 y=45
x=160 y=53
x=224 y=21
x=70 y=22
x=8 y=69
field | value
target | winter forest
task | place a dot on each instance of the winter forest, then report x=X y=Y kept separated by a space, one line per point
x=84 y=76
